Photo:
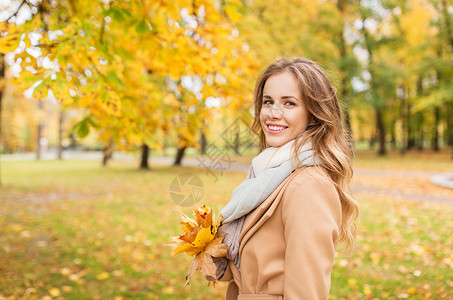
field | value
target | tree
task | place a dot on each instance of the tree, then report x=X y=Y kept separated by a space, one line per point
x=319 y=31
x=377 y=42
x=114 y=59
x=2 y=76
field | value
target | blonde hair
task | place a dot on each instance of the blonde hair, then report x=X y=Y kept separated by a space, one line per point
x=331 y=145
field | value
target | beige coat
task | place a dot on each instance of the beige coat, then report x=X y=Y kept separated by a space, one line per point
x=287 y=244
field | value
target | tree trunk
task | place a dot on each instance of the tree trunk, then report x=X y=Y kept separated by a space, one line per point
x=450 y=126
x=449 y=117
x=381 y=130
x=107 y=153
x=410 y=135
x=435 y=143
x=420 y=140
x=380 y=127
x=420 y=118
x=179 y=156
x=372 y=140
x=144 y=160
x=2 y=77
x=393 y=135
x=341 y=6
x=60 y=136
x=447 y=23
x=403 y=115
x=39 y=130
x=236 y=143
x=203 y=143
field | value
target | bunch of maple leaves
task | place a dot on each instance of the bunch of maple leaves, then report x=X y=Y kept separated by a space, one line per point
x=200 y=240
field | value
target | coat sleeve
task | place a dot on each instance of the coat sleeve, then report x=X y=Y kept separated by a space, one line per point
x=311 y=215
x=227 y=275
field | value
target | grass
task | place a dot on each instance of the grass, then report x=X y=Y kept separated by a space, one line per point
x=74 y=230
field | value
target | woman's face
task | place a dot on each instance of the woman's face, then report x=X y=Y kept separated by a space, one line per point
x=283 y=114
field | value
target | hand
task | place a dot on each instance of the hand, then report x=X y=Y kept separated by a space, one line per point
x=221 y=264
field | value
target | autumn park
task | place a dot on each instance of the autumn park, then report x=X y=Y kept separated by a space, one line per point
x=117 y=115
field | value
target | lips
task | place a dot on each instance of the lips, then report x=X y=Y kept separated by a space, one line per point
x=275 y=128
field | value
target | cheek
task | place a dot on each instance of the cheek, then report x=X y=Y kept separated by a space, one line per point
x=263 y=115
x=299 y=120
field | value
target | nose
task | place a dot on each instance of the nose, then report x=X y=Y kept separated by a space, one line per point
x=275 y=112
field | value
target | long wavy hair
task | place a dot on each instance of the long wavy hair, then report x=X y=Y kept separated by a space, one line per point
x=330 y=142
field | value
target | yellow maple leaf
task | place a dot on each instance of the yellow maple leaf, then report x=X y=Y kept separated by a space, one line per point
x=200 y=240
x=54 y=292
x=202 y=237
x=102 y=276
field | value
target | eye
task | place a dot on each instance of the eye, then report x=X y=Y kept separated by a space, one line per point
x=290 y=103
x=267 y=102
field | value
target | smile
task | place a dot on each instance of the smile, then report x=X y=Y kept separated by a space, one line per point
x=275 y=128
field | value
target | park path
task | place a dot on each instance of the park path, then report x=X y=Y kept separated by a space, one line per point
x=361 y=188
x=365 y=185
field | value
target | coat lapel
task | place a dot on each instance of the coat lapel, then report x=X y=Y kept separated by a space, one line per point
x=264 y=211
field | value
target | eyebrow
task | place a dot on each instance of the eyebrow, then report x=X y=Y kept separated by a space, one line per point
x=282 y=97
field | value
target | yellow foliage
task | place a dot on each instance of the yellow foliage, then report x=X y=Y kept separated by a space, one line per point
x=10 y=42
x=416 y=22
x=54 y=292
x=118 y=65
x=200 y=240
x=102 y=276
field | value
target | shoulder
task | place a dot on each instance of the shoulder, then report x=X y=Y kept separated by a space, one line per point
x=311 y=178
x=311 y=189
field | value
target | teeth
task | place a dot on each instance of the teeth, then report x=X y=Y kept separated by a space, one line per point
x=272 y=127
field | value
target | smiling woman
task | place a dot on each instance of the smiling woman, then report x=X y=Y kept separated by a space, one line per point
x=284 y=221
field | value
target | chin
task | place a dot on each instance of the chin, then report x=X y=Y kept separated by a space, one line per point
x=277 y=142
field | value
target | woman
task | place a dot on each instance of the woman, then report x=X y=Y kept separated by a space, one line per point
x=285 y=220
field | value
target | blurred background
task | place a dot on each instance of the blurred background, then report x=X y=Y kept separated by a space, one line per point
x=104 y=104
